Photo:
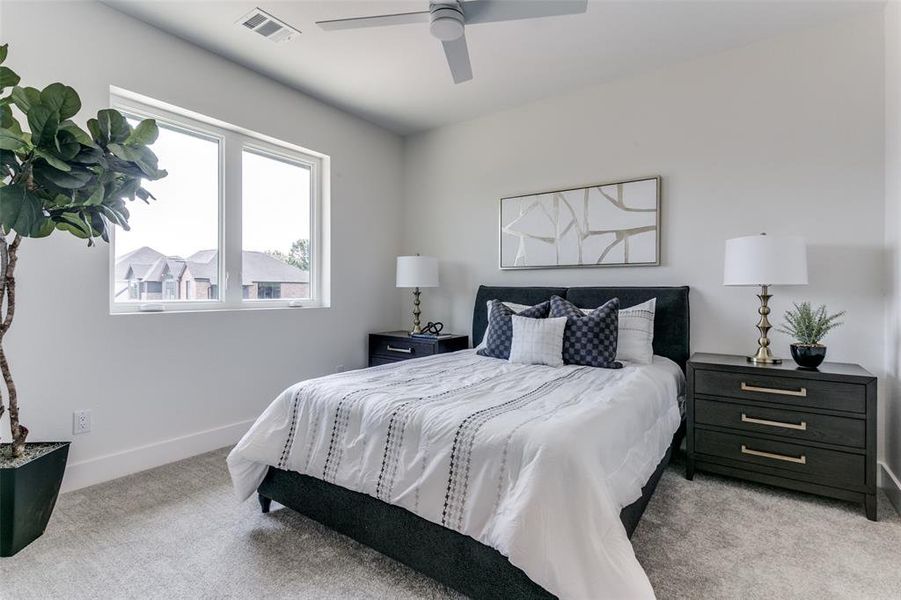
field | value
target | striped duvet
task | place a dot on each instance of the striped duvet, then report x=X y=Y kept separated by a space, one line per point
x=534 y=461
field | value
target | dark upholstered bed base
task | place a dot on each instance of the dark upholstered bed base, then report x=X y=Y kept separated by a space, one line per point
x=454 y=559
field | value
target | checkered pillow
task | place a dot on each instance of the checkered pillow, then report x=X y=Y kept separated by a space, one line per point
x=500 y=327
x=516 y=309
x=635 y=340
x=590 y=339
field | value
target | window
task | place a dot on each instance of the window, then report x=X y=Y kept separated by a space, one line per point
x=270 y=291
x=170 y=288
x=276 y=225
x=186 y=250
x=182 y=223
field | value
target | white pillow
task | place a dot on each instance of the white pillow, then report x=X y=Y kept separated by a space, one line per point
x=537 y=341
x=635 y=335
x=512 y=306
x=635 y=338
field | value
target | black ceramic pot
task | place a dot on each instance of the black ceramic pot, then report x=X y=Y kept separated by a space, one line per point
x=808 y=357
x=28 y=493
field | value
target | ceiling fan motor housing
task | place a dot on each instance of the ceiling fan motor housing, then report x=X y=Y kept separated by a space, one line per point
x=447 y=20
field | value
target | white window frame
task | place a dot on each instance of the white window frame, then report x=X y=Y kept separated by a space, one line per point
x=232 y=142
x=275 y=152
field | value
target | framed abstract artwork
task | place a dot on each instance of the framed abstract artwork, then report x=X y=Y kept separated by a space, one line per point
x=607 y=225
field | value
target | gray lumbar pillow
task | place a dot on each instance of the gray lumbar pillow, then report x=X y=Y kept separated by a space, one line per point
x=500 y=327
x=590 y=339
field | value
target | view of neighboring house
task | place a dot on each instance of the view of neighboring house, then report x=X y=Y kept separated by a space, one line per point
x=147 y=274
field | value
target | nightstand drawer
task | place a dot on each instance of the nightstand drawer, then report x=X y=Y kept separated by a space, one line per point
x=799 y=425
x=375 y=361
x=395 y=346
x=834 y=467
x=400 y=348
x=814 y=393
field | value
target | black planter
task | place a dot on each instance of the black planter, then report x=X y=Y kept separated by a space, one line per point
x=808 y=357
x=28 y=494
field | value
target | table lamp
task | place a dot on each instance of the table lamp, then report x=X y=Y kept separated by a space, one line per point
x=417 y=272
x=765 y=260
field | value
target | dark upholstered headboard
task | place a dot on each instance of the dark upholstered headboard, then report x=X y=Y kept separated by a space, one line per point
x=671 y=319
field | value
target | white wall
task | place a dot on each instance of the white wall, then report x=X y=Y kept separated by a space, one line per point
x=151 y=378
x=892 y=399
x=782 y=136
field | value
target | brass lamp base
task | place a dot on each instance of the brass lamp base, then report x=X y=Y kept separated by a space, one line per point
x=764 y=356
x=416 y=312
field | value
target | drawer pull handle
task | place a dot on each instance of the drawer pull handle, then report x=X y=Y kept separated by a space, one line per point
x=403 y=350
x=802 y=393
x=802 y=426
x=801 y=460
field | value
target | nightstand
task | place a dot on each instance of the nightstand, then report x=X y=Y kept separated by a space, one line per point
x=807 y=430
x=394 y=346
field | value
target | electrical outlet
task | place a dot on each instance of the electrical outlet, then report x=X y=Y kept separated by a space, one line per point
x=339 y=369
x=81 y=421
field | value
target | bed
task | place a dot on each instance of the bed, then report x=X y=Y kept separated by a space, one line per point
x=462 y=466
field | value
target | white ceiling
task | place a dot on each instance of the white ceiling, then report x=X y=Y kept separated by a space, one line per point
x=397 y=76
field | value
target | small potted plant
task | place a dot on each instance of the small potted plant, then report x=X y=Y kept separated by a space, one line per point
x=807 y=327
x=54 y=177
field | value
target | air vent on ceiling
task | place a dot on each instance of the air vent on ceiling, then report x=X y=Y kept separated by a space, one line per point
x=268 y=26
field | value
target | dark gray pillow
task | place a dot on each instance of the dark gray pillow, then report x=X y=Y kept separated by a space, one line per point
x=590 y=339
x=500 y=327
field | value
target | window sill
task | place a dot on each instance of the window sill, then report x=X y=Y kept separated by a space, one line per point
x=181 y=310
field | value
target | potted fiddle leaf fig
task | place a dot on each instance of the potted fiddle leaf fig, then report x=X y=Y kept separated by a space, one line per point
x=808 y=326
x=54 y=177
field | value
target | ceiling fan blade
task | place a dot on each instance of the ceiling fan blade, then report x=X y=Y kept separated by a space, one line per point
x=490 y=11
x=458 y=59
x=376 y=21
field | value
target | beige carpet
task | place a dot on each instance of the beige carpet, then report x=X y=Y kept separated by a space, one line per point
x=177 y=532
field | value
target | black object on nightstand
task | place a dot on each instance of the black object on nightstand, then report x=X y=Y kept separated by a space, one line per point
x=807 y=430
x=394 y=346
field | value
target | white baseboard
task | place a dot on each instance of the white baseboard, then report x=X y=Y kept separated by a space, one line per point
x=119 y=464
x=891 y=485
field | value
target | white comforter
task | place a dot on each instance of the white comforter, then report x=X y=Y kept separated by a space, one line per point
x=535 y=461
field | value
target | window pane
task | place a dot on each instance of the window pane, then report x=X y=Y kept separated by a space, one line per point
x=172 y=250
x=276 y=228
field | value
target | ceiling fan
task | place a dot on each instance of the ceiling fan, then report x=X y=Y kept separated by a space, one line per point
x=448 y=20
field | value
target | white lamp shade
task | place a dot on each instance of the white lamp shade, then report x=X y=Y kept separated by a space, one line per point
x=765 y=260
x=417 y=271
